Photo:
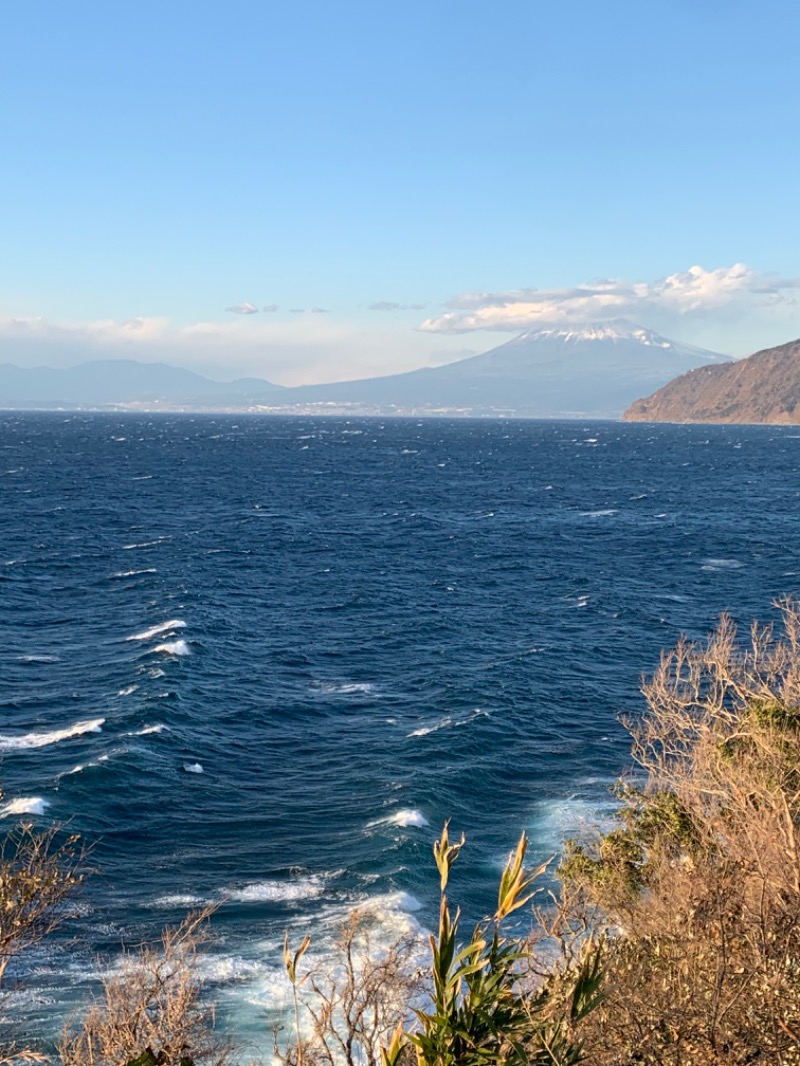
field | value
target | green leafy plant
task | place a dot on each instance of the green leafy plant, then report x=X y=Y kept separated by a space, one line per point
x=482 y=1010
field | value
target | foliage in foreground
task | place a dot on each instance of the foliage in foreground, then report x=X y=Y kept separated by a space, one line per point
x=475 y=1005
x=151 y=1012
x=698 y=888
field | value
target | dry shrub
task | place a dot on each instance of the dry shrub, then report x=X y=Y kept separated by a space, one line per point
x=352 y=1006
x=39 y=871
x=151 y=1010
x=698 y=890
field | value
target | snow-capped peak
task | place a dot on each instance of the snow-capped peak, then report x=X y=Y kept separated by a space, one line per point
x=600 y=331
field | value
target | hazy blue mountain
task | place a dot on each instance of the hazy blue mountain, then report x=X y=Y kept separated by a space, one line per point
x=595 y=371
x=107 y=382
x=592 y=371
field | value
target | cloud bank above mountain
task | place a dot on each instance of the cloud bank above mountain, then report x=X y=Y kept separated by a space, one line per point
x=723 y=293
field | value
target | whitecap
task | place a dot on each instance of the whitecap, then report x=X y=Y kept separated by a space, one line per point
x=135 y=573
x=722 y=564
x=42 y=740
x=193 y=768
x=404 y=819
x=599 y=514
x=278 y=891
x=178 y=900
x=447 y=722
x=345 y=688
x=173 y=647
x=128 y=690
x=26 y=805
x=147 y=730
x=162 y=627
x=40 y=658
x=424 y=730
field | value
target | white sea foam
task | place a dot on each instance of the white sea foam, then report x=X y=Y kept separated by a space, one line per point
x=573 y=817
x=40 y=658
x=42 y=740
x=148 y=729
x=193 y=768
x=24 y=805
x=722 y=564
x=128 y=690
x=599 y=514
x=344 y=688
x=404 y=819
x=178 y=900
x=448 y=722
x=173 y=647
x=135 y=573
x=162 y=627
x=424 y=730
x=278 y=891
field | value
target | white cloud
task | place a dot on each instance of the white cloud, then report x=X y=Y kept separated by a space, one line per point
x=244 y=308
x=693 y=293
x=301 y=350
x=390 y=305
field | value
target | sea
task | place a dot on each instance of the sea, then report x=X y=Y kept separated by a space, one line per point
x=259 y=661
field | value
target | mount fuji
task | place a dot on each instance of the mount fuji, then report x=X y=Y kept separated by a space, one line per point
x=592 y=371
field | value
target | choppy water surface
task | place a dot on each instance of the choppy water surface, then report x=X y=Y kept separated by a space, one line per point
x=260 y=661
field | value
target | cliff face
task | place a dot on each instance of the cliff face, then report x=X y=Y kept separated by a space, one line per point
x=765 y=387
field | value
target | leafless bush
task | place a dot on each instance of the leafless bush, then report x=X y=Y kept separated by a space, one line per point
x=39 y=872
x=151 y=1008
x=354 y=1004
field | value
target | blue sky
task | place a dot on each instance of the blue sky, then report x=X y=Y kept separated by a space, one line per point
x=466 y=169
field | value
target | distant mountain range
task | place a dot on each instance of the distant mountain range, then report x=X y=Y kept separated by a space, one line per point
x=765 y=387
x=595 y=371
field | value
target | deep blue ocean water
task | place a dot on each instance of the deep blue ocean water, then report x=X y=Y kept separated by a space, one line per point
x=261 y=660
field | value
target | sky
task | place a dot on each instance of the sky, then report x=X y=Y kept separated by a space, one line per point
x=310 y=191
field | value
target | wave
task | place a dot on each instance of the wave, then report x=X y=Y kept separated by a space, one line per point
x=134 y=573
x=448 y=722
x=193 y=768
x=278 y=891
x=173 y=647
x=148 y=730
x=599 y=514
x=128 y=690
x=24 y=805
x=344 y=688
x=42 y=740
x=162 y=627
x=178 y=900
x=40 y=658
x=722 y=564
x=404 y=819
